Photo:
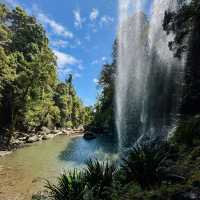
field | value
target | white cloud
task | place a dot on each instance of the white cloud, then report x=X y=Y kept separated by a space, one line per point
x=94 y=62
x=60 y=43
x=94 y=14
x=100 y=61
x=106 y=20
x=78 y=19
x=55 y=26
x=64 y=59
x=96 y=81
x=103 y=58
x=80 y=67
x=77 y=75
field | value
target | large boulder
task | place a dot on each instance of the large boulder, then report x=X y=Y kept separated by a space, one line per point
x=49 y=136
x=33 y=139
x=89 y=136
x=81 y=128
x=56 y=132
x=45 y=130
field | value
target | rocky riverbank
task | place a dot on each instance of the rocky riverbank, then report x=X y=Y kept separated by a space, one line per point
x=20 y=139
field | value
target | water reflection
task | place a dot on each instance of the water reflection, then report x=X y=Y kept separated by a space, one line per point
x=80 y=150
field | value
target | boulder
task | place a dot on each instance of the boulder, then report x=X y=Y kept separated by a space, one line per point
x=81 y=128
x=56 y=132
x=67 y=131
x=16 y=142
x=46 y=130
x=46 y=137
x=22 y=138
x=89 y=136
x=5 y=153
x=32 y=139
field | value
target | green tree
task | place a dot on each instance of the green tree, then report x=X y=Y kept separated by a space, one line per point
x=30 y=94
x=28 y=72
x=103 y=120
x=72 y=111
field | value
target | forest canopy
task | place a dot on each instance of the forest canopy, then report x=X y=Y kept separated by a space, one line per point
x=31 y=95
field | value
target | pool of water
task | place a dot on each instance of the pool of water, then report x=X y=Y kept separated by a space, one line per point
x=24 y=171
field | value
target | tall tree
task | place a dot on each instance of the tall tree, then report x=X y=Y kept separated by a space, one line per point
x=104 y=109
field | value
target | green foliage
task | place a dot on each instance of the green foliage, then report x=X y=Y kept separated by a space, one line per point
x=41 y=114
x=104 y=120
x=70 y=187
x=146 y=164
x=72 y=111
x=30 y=94
x=99 y=178
x=30 y=72
x=94 y=182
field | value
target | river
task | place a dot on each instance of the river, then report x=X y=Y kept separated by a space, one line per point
x=23 y=172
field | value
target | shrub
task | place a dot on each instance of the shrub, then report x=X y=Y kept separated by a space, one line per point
x=147 y=164
x=99 y=178
x=68 y=124
x=93 y=183
x=70 y=187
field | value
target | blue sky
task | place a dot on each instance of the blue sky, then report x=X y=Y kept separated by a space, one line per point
x=81 y=34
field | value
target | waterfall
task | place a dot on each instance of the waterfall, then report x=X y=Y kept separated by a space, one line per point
x=149 y=78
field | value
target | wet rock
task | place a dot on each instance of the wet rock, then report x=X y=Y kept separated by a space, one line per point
x=16 y=142
x=89 y=136
x=4 y=153
x=56 y=132
x=45 y=130
x=65 y=131
x=32 y=139
x=49 y=136
x=81 y=128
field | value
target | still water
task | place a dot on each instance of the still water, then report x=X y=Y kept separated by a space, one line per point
x=23 y=172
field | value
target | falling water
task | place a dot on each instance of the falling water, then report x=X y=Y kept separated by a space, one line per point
x=148 y=83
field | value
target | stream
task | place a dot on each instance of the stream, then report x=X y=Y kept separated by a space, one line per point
x=23 y=172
